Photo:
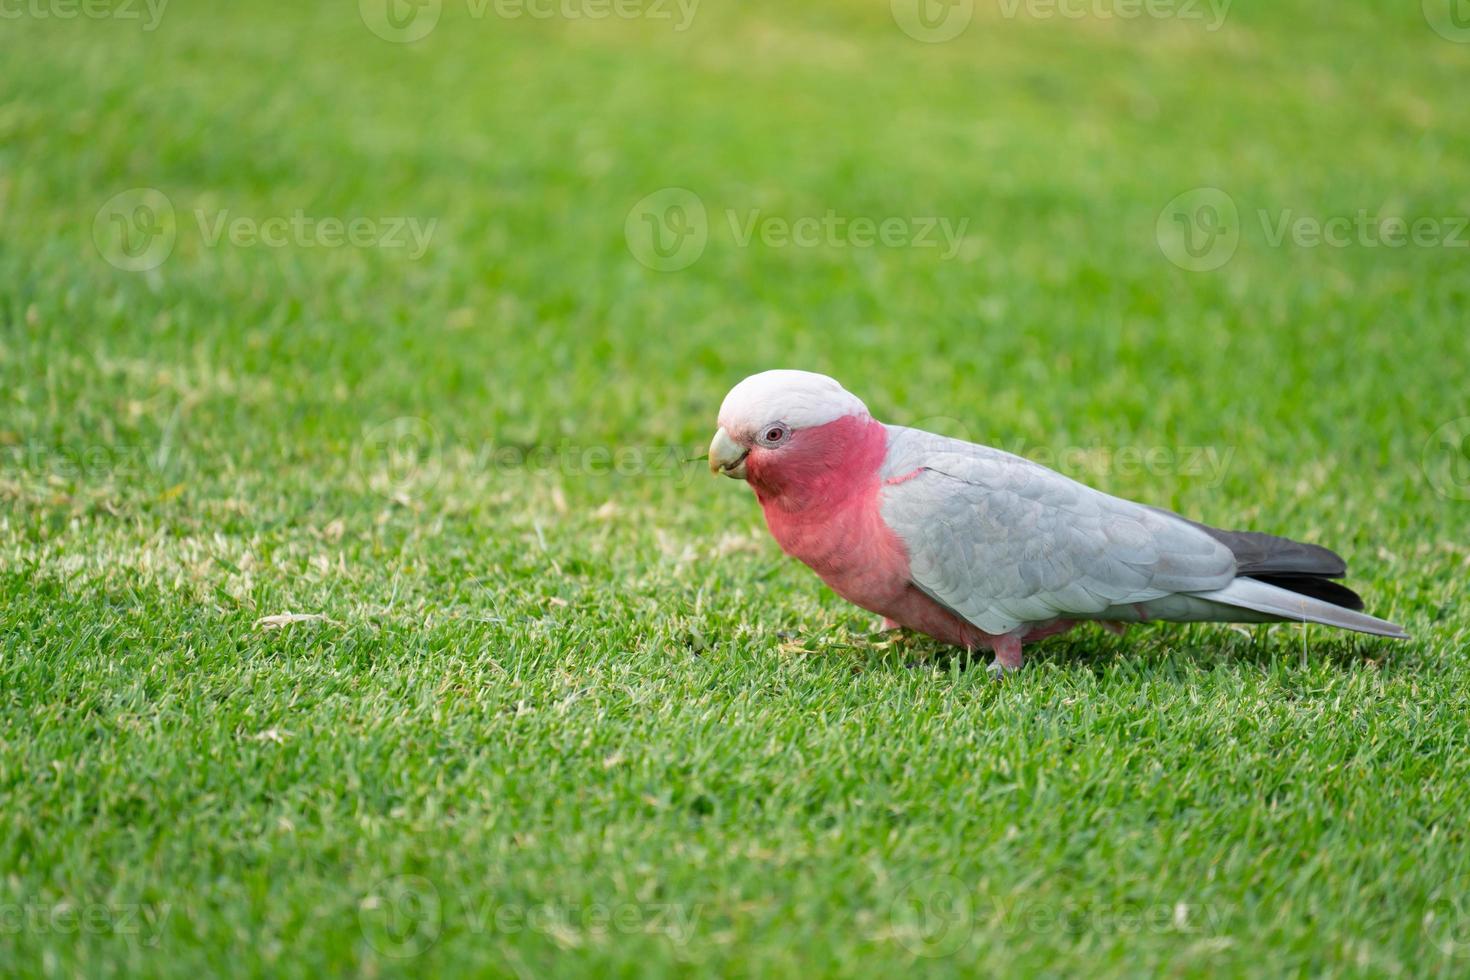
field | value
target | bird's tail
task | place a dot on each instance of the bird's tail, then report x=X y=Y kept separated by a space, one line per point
x=1262 y=597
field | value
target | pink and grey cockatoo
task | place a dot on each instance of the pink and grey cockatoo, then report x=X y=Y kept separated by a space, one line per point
x=983 y=549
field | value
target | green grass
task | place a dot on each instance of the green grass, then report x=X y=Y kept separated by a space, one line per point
x=553 y=720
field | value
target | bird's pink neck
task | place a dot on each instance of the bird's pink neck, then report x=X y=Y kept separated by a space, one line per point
x=822 y=467
x=820 y=497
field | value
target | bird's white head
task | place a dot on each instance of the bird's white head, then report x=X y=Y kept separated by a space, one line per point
x=767 y=411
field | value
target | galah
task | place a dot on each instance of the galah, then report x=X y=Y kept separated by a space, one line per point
x=987 y=550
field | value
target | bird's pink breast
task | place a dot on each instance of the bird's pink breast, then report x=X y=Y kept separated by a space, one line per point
x=847 y=544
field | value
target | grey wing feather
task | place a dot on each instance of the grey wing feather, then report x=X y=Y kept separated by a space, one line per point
x=1004 y=541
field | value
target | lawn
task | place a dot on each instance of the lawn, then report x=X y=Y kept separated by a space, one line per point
x=362 y=611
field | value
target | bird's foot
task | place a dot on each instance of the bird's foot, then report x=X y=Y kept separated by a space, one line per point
x=889 y=625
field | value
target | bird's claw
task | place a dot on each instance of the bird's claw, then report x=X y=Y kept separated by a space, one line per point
x=999 y=671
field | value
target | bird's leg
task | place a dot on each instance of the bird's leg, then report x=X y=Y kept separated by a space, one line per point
x=1007 y=649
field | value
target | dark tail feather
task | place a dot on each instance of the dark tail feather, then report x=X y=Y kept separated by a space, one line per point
x=1266 y=554
x=1306 y=569
x=1318 y=588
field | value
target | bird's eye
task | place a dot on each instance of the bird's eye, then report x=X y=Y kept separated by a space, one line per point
x=773 y=434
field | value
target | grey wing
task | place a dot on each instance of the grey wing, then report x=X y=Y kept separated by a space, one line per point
x=1004 y=541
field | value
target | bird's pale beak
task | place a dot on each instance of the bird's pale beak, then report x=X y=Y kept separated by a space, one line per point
x=726 y=456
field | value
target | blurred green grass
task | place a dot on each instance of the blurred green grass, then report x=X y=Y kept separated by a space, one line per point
x=539 y=687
